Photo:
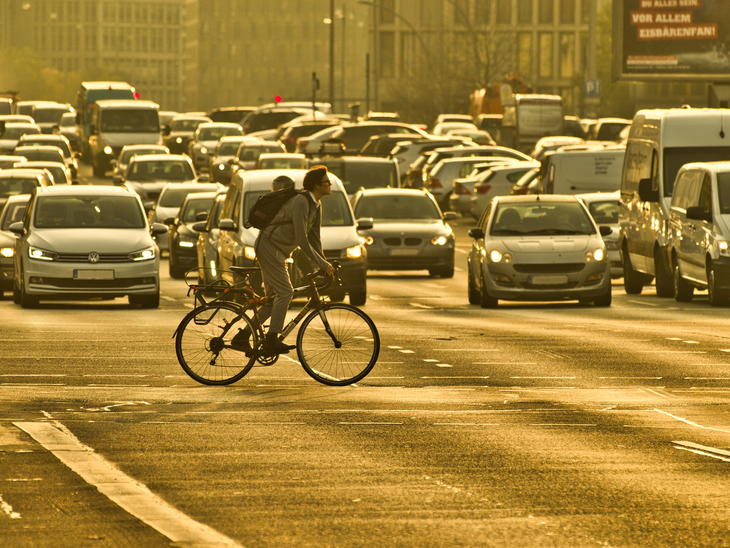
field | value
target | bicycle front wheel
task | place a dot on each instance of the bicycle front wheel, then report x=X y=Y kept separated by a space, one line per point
x=203 y=343
x=343 y=355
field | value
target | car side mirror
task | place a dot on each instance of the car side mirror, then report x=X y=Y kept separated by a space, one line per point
x=476 y=233
x=158 y=228
x=604 y=230
x=699 y=213
x=227 y=224
x=202 y=216
x=166 y=130
x=365 y=223
x=646 y=192
x=117 y=180
x=148 y=206
x=450 y=216
x=200 y=227
x=170 y=221
x=17 y=228
x=203 y=178
x=113 y=164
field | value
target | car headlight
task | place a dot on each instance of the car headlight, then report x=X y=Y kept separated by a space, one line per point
x=440 y=240
x=108 y=150
x=598 y=254
x=178 y=140
x=186 y=243
x=497 y=256
x=724 y=248
x=367 y=240
x=221 y=166
x=42 y=254
x=203 y=150
x=354 y=252
x=249 y=252
x=142 y=255
x=7 y=252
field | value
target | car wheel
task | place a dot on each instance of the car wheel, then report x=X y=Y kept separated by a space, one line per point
x=683 y=291
x=485 y=299
x=633 y=280
x=716 y=296
x=145 y=301
x=605 y=299
x=471 y=290
x=359 y=297
x=664 y=282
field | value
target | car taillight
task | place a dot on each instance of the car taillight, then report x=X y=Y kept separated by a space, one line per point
x=461 y=189
x=483 y=189
x=435 y=183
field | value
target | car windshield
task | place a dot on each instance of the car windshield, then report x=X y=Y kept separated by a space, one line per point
x=127 y=154
x=251 y=154
x=185 y=125
x=215 y=133
x=169 y=170
x=14 y=133
x=535 y=218
x=335 y=209
x=193 y=207
x=68 y=120
x=675 y=158
x=130 y=121
x=47 y=115
x=604 y=213
x=723 y=192
x=62 y=145
x=228 y=148
x=17 y=185
x=356 y=175
x=397 y=207
x=13 y=213
x=41 y=155
x=88 y=211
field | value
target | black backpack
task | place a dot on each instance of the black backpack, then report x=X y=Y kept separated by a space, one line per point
x=267 y=206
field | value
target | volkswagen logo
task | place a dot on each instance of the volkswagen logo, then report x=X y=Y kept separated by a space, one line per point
x=93 y=257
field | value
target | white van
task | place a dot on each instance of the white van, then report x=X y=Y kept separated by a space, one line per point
x=699 y=229
x=584 y=171
x=660 y=142
x=340 y=240
x=116 y=123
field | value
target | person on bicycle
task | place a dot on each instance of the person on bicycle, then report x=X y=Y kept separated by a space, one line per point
x=296 y=225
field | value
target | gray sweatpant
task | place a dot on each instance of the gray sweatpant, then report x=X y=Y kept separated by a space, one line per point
x=277 y=284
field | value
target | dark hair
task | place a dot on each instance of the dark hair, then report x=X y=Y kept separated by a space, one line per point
x=282 y=181
x=314 y=176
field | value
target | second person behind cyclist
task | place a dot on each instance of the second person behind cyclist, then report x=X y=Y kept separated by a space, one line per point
x=296 y=225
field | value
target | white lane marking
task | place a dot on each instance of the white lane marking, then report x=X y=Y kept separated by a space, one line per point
x=672 y=352
x=643 y=303
x=35 y=375
x=443 y=365
x=123 y=490
x=542 y=377
x=691 y=423
x=706 y=378
x=466 y=350
x=674 y=339
x=406 y=351
x=453 y=377
x=8 y=510
x=640 y=378
x=561 y=424
x=373 y=423
x=419 y=305
x=466 y=424
x=167 y=298
x=704 y=449
x=464 y=251
x=395 y=347
x=504 y=363
x=725 y=350
x=703 y=453
x=657 y=393
x=431 y=360
x=690 y=342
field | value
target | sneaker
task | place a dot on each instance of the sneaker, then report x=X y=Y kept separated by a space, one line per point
x=242 y=341
x=272 y=345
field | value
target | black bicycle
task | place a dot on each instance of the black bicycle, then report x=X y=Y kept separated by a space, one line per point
x=337 y=344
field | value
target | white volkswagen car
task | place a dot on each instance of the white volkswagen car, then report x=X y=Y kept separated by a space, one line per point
x=77 y=242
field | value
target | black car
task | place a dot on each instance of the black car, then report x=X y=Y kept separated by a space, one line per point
x=183 y=239
x=359 y=172
x=381 y=145
x=180 y=132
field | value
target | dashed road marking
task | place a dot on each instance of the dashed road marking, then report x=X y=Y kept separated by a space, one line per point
x=715 y=453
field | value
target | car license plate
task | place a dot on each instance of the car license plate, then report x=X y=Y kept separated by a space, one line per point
x=93 y=274
x=547 y=280
x=402 y=252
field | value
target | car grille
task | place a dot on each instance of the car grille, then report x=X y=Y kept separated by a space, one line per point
x=398 y=241
x=84 y=258
x=70 y=283
x=559 y=268
x=569 y=285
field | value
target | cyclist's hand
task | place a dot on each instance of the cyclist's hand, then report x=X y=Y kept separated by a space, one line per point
x=330 y=270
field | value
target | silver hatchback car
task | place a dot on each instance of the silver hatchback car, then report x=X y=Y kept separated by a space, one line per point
x=538 y=248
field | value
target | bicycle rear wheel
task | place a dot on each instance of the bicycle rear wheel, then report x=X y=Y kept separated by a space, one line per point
x=202 y=344
x=347 y=358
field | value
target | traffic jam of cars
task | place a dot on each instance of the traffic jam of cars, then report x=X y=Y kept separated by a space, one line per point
x=554 y=218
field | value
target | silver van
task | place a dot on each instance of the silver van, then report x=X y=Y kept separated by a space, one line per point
x=340 y=240
x=699 y=228
x=116 y=123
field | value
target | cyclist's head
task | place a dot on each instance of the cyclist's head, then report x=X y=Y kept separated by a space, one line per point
x=314 y=177
x=282 y=182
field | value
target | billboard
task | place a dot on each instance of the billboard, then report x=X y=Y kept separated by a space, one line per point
x=671 y=40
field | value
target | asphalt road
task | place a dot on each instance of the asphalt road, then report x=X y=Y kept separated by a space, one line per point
x=535 y=425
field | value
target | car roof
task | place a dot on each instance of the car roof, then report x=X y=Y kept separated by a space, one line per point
x=42 y=163
x=394 y=192
x=201 y=196
x=22 y=124
x=19 y=172
x=536 y=198
x=143 y=147
x=218 y=124
x=158 y=157
x=354 y=160
x=601 y=196
x=23 y=147
x=16 y=198
x=261 y=179
x=127 y=103
x=86 y=190
x=717 y=167
x=210 y=186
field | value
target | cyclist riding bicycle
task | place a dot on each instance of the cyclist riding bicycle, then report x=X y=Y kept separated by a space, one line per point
x=296 y=225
